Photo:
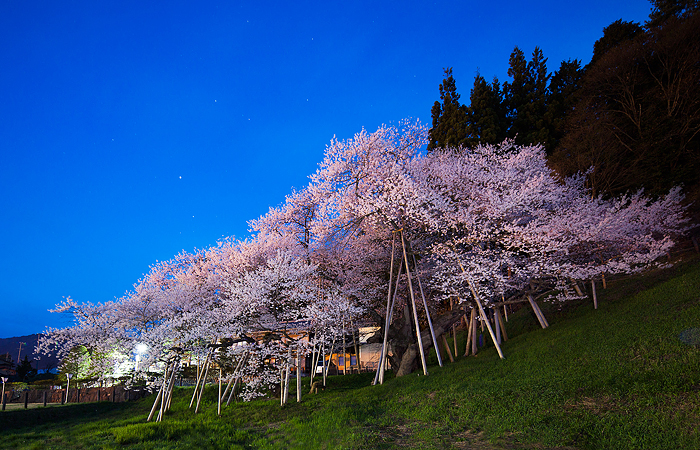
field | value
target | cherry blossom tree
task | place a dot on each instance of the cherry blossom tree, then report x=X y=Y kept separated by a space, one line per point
x=492 y=221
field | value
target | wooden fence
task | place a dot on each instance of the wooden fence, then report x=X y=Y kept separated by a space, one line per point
x=75 y=395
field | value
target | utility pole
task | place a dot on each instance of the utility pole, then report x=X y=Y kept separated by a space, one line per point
x=20 y=351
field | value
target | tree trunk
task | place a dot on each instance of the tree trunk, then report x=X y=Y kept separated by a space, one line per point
x=403 y=338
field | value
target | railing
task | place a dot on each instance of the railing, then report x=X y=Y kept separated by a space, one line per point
x=39 y=397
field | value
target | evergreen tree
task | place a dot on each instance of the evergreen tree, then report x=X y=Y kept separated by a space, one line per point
x=449 y=117
x=537 y=119
x=515 y=93
x=25 y=369
x=486 y=114
x=526 y=98
x=563 y=94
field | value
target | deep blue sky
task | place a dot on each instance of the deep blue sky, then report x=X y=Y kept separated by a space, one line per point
x=132 y=130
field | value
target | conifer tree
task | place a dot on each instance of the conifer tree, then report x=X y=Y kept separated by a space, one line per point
x=537 y=119
x=486 y=113
x=516 y=93
x=449 y=117
x=563 y=88
x=526 y=98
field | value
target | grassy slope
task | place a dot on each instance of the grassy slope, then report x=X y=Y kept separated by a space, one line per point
x=618 y=377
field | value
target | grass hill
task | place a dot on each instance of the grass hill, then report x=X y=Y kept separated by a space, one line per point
x=625 y=376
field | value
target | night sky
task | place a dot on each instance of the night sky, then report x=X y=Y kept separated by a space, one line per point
x=130 y=131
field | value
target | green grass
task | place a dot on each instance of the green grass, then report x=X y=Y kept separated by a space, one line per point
x=617 y=378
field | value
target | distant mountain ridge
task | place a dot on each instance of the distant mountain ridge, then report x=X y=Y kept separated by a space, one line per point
x=11 y=347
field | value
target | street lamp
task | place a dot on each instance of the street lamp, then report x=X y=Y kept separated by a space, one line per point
x=4 y=379
x=140 y=350
x=69 y=376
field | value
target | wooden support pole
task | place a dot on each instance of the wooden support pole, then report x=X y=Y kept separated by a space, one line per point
x=298 y=375
x=330 y=358
x=389 y=308
x=313 y=359
x=605 y=285
x=324 y=370
x=354 y=342
x=538 y=312
x=286 y=375
x=427 y=315
x=695 y=244
x=228 y=385
x=576 y=286
x=497 y=325
x=511 y=302
x=157 y=400
x=454 y=327
x=171 y=384
x=447 y=348
x=595 y=296
x=385 y=350
x=470 y=323
x=483 y=314
x=501 y=323
x=281 y=387
x=200 y=372
x=415 y=310
x=162 y=398
x=475 y=347
x=233 y=375
x=218 y=402
x=345 y=363
x=204 y=383
x=246 y=354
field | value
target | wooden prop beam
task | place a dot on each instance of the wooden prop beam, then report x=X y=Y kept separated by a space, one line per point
x=286 y=375
x=176 y=365
x=357 y=350
x=200 y=371
x=158 y=397
x=470 y=331
x=218 y=403
x=447 y=348
x=382 y=367
x=501 y=323
x=483 y=314
x=496 y=325
x=246 y=354
x=415 y=310
x=298 y=374
x=454 y=328
x=427 y=315
x=204 y=382
x=389 y=308
x=595 y=297
x=538 y=312
x=232 y=377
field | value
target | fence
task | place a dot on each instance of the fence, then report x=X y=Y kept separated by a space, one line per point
x=77 y=395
